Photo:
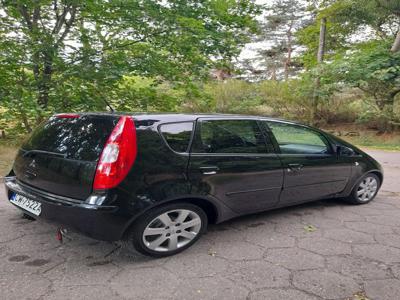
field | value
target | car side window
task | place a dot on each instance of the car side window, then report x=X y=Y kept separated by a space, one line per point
x=177 y=135
x=295 y=139
x=229 y=136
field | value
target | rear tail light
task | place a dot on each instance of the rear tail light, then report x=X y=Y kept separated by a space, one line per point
x=118 y=155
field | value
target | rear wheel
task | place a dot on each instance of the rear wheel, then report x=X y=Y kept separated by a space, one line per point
x=365 y=190
x=167 y=230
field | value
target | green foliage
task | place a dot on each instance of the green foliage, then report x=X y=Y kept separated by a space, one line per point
x=136 y=93
x=233 y=96
x=346 y=21
x=287 y=99
x=360 y=35
x=155 y=55
x=72 y=55
x=309 y=37
x=372 y=68
x=291 y=99
x=283 y=18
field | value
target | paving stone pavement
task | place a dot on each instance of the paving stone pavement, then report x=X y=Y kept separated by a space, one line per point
x=349 y=251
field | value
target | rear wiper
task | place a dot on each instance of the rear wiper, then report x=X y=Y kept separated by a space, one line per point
x=28 y=152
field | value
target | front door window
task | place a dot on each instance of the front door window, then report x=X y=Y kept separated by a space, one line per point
x=296 y=139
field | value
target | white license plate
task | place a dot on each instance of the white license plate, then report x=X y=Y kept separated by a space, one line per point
x=32 y=206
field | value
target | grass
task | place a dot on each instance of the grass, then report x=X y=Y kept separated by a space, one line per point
x=366 y=138
x=383 y=142
x=8 y=149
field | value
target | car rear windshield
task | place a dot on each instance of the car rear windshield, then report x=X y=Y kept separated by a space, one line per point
x=81 y=138
x=177 y=135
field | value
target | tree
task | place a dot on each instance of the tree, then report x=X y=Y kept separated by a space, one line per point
x=393 y=7
x=282 y=19
x=382 y=16
x=365 y=64
x=272 y=60
x=375 y=71
x=79 y=51
x=15 y=92
x=320 y=60
x=324 y=15
x=42 y=31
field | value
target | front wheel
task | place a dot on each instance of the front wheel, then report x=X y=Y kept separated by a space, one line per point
x=365 y=190
x=167 y=230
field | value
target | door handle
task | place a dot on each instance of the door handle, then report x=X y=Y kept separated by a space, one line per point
x=209 y=170
x=294 y=167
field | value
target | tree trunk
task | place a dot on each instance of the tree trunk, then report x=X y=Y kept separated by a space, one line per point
x=322 y=39
x=42 y=81
x=28 y=128
x=20 y=107
x=273 y=73
x=45 y=79
x=320 y=59
x=288 y=61
x=396 y=44
x=43 y=57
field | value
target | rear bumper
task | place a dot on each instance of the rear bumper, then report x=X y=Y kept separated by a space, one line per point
x=97 y=221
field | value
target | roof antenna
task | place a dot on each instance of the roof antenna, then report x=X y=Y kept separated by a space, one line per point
x=109 y=105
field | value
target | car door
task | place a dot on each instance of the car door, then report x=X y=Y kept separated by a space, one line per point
x=312 y=169
x=231 y=160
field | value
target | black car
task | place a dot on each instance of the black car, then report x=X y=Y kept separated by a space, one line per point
x=156 y=180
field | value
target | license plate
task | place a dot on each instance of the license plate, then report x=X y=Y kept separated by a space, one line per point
x=30 y=205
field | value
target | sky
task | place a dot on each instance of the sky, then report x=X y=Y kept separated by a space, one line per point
x=250 y=50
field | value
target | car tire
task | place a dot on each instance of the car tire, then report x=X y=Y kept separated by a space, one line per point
x=365 y=190
x=167 y=230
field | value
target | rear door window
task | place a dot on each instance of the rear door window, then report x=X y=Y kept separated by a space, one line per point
x=177 y=135
x=296 y=139
x=229 y=136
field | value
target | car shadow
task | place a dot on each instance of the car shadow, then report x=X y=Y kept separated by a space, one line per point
x=95 y=253
x=294 y=210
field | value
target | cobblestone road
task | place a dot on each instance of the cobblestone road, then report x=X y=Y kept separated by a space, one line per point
x=322 y=250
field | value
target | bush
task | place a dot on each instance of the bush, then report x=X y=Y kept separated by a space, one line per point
x=233 y=96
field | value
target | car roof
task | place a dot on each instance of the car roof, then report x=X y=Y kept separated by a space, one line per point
x=182 y=117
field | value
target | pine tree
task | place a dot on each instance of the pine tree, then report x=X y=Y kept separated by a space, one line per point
x=283 y=18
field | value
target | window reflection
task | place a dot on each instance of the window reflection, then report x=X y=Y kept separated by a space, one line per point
x=295 y=139
x=177 y=135
x=80 y=138
x=230 y=136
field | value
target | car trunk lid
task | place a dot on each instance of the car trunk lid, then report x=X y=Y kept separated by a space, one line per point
x=62 y=154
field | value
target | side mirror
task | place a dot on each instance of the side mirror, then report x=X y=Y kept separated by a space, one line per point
x=344 y=151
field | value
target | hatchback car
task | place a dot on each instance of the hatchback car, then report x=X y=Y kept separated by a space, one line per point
x=156 y=180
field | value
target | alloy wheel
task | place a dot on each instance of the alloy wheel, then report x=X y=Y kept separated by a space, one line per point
x=172 y=230
x=367 y=189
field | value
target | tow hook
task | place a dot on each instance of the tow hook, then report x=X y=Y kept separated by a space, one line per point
x=61 y=234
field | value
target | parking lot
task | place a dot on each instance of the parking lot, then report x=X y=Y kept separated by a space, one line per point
x=322 y=250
